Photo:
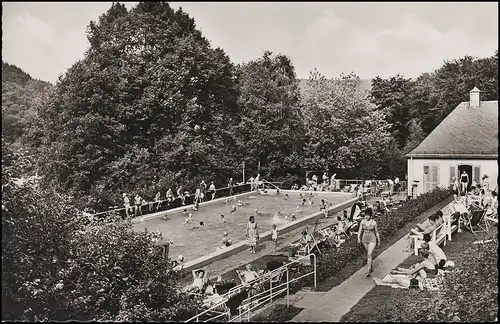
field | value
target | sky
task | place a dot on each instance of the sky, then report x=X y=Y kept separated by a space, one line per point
x=370 y=39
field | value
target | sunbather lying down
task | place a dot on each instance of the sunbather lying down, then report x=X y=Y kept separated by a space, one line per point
x=401 y=281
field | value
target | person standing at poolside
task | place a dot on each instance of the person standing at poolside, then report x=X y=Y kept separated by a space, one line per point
x=369 y=236
x=138 y=203
x=250 y=181
x=126 y=203
x=212 y=189
x=180 y=195
x=274 y=235
x=252 y=234
x=230 y=186
x=158 y=200
x=203 y=190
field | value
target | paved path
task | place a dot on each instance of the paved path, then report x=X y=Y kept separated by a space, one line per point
x=330 y=306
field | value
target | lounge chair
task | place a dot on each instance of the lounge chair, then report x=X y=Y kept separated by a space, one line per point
x=328 y=236
x=474 y=219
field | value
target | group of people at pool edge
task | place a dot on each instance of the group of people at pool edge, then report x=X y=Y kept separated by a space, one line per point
x=202 y=193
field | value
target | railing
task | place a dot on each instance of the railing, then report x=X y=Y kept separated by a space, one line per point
x=220 y=310
x=348 y=185
x=165 y=204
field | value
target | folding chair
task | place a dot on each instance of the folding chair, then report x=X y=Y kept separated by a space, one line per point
x=328 y=236
x=473 y=219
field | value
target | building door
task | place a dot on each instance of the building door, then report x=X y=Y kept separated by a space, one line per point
x=468 y=170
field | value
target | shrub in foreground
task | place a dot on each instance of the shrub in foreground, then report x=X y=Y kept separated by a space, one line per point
x=469 y=293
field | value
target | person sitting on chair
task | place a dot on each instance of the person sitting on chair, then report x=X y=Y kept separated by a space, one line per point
x=248 y=274
x=199 y=281
x=305 y=239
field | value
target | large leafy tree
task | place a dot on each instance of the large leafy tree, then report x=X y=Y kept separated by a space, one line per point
x=437 y=94
x=54 y=267
x=271 y=131
x=150 y=104
x=347 y=133
x=392 y=97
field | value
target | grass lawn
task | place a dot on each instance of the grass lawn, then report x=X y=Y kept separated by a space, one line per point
x=388 y=304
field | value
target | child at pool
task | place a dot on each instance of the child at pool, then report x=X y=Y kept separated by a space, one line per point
x=222 y=218
x=189 y=218
x=233 y=209
x=274 y=235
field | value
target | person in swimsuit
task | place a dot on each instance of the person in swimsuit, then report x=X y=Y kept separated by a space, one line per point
x=464 y=182
x=414 y=277
x=456 y=188
x=369 y=236
x=425 y=269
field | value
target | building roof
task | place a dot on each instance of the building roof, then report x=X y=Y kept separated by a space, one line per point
x=467 y=132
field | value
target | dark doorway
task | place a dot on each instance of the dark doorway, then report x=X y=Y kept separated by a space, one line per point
x=468 y=170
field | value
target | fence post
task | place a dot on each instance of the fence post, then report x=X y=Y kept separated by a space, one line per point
x=271 y=288
x=287 y=289
x=315 y=271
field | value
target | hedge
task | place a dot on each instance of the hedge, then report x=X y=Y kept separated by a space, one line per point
x=332 y=260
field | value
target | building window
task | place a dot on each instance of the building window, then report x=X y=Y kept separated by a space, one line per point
x=476 y=174
x=453 y=173
x=431 y=177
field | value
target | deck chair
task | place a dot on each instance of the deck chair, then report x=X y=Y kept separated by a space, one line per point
x=474 y=219
x=200 y=292
x=309 y=247
x=242 y=278
x=328 y=236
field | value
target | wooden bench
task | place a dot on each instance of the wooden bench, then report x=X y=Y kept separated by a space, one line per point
x=439 y=235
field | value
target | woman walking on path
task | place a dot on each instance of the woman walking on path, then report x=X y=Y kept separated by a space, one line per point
x=252 y=234
x=369 y=236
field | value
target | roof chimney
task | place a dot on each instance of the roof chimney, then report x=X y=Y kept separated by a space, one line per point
x=474 y=97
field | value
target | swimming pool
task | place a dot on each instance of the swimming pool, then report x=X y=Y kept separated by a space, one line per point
x=194 y=241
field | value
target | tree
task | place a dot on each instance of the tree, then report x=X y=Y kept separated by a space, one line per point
x=450 y=85
x=54 y=267
x=128 y=111
x=20 y=94
x=415 y=137
x=346 y=131
x=270 y=131
x=392 y=96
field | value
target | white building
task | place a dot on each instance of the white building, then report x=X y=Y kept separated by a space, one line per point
x=466 y=140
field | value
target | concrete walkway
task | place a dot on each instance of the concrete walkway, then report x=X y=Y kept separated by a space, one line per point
x=330 y=306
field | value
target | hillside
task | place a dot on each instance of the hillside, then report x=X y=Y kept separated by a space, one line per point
x=365 y=85
x=20 y=93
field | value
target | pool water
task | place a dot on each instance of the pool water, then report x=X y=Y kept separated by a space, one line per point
x=193 y=240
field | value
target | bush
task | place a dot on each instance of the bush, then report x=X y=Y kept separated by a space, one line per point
x=333 y=260
x=55 y=268
x=469 y=293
